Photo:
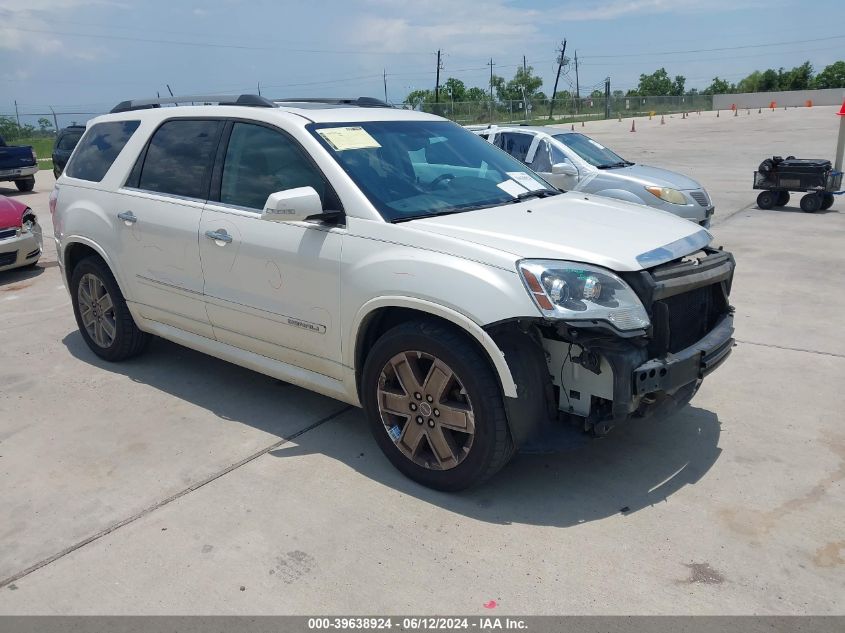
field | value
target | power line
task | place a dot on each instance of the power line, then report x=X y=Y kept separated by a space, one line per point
x=713 y=50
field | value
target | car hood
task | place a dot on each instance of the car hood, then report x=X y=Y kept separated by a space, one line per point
x=576 y=227
x=646 y=175
x=11 y=212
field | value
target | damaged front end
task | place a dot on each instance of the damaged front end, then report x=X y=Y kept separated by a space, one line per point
x=591 y=375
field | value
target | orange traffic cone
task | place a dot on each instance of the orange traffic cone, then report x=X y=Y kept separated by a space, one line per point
x=633 y=125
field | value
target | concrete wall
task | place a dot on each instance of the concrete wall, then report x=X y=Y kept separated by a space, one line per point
x=829 y=96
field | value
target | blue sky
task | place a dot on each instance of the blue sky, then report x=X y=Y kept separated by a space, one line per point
x=86 y=55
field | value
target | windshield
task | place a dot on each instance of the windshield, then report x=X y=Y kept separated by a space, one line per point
x=592 y=151
x=414 y=169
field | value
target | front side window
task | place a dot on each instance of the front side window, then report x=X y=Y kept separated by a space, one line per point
x=179 y=158
x=98 y=149
x=261 y=161
x=592 y=151
x=514 y=143
x=414 y=169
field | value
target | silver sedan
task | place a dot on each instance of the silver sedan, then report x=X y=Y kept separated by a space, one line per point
x=574 y=162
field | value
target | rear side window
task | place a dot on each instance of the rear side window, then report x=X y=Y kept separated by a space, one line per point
x=99 y=148
x=515 y=144
x=179 y=158
x=68 y=140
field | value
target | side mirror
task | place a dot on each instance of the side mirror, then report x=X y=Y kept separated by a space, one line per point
x=292 y=205
x=564 y=169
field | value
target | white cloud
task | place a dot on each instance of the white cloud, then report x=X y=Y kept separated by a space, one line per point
x=37 y=15
x=580 y=10
x=462 y=25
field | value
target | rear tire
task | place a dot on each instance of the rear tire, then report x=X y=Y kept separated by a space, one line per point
x=782 y=199
x=827 y=201
x=811 y=203
x=101 y=312
x=766 y=199
x=451 y=405
x=25 y=184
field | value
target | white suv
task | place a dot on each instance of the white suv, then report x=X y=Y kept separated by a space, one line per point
x=394 y=261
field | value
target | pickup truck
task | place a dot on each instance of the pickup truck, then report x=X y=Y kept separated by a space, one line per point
x=18 y=163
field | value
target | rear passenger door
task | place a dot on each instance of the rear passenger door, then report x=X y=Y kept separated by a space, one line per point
x=272 y=288
x=516 y=144
x=160 y=209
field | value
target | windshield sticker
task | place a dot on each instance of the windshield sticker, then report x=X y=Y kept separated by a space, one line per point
x=512 y=188
x=525 y=180
x=599 y=145
x=343 y=138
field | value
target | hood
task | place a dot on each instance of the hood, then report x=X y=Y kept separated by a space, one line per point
x=655 y=176
x=576 y=227
x=11 y=212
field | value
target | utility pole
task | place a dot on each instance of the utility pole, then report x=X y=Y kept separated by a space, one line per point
x=55 y=120
x=437 y=84
x=524 y=65
x=384 y=77
x=607 y=98
x=577 y=85
x=491 y=64
x=560 y=61
x=17 y=116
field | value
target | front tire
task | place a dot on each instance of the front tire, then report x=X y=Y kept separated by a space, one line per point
x=434 y=406
x=811 y=203
x=766 y=199
x=827 y=201
x=101 y=312
x=25 y=184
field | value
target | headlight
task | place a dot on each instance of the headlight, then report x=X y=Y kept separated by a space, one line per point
x=580 y=292
x=672 y=196
x=27 y=224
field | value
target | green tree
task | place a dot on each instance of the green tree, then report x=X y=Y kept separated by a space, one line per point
x=657 y=84
x=44 y=125
x=678 y=85
x=477 y=94
x=769 y=81
x=750 y=83
x=597 y=94
x=419 y=97
x=456 y=88
x=832 y=76
x=718 y=87
x=799 y=78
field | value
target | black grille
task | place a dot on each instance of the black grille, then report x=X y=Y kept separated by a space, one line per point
x=690 y=315
x=7 y=233
x=7 y=259
x=700 y=197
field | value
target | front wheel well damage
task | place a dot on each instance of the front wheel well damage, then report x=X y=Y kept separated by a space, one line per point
x=381 y=320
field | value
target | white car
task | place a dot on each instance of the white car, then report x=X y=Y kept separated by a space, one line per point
x=392 y=260
x=574 y=162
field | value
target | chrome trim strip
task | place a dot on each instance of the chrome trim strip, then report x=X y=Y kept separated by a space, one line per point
x=675 y=249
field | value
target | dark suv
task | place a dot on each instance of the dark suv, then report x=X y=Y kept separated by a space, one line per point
x=65 y=142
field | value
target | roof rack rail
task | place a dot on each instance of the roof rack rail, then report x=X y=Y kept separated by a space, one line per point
x=361 y=102
x=256 y=101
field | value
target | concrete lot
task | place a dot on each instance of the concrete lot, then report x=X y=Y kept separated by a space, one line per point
x=166 y=485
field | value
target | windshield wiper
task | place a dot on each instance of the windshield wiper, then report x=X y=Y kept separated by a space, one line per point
x=536 y=193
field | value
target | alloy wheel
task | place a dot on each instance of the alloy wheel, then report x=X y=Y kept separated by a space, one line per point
x=426 y=410
x=96 y=310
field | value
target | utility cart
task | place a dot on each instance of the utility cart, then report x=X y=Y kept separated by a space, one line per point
x=778 y=176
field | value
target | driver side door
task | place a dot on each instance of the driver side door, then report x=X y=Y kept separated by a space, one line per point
x=272 y=288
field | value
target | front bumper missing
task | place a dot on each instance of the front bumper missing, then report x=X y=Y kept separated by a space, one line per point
x=693 y=363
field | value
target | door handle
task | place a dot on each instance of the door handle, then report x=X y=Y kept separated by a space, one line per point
x=220 y=235
x=128 y=217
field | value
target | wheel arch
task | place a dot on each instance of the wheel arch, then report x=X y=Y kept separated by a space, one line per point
x=379 y=315
x=75 y=249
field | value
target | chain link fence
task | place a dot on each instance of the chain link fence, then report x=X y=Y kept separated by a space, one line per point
x=564 y=110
